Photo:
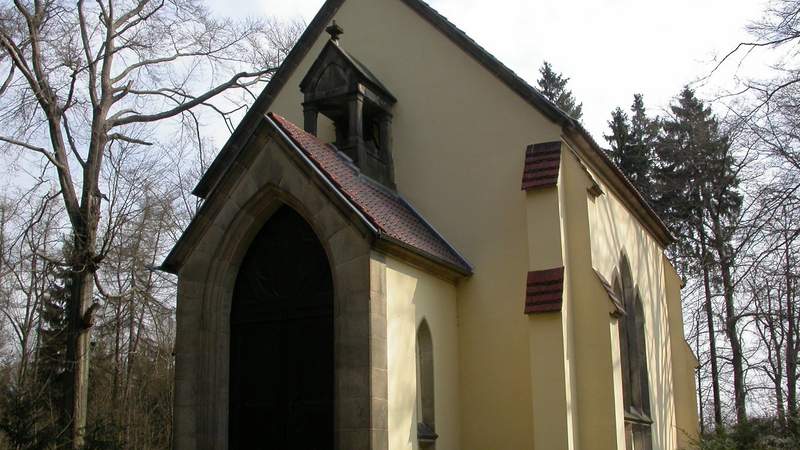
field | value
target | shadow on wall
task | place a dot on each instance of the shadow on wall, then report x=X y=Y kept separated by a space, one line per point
x=401 y=290
x=610 y=239
x=424 y=377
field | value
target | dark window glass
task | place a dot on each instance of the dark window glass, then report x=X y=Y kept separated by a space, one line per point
x=633 y=354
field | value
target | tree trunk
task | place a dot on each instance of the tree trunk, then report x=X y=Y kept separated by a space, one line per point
x=712 y=344
x=791 y=346
x=772 y=317
x=78 y=326
x=720 y=244
x=781 y=410
x=731 y=320
x=699 y=383
x=78 y=354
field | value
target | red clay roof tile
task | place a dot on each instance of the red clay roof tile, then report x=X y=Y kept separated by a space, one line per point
x=542 y=162
x=545 y=290
x=387 y=211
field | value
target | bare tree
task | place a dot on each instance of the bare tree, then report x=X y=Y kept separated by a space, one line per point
x=777 y=31
x=83 y=78
x=28 y=238
x=134 y=328
x=772 y=289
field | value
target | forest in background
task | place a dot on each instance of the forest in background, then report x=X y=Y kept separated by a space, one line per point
x=724 y=175
x=104 y=106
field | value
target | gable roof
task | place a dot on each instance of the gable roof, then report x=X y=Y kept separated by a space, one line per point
x=571 y=127
x=366 y=75
x=394 y=226
x=390 y=215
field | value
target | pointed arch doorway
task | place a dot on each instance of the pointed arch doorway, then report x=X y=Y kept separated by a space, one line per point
x=282 y=341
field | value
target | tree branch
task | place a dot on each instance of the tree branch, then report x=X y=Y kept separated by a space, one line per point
x=234 y=81
x=34 y=148
x=122 y=137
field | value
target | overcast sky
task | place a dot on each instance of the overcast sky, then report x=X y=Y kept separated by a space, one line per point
x=609 y=48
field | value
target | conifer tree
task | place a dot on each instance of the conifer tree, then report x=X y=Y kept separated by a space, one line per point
x=619 y=137
x=51 y=361
x=31 y=412
x=698 y=196
x=644 y=136
x=553 y=85
x=633 y=142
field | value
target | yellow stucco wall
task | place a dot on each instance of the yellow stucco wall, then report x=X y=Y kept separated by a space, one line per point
x=591 y=328
x=411 y=297
x=459 y=138
x=614 y=231
x=684 y=364
x=551 y=346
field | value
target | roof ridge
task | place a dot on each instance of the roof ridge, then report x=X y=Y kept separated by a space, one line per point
x=421 y=4
x=630 y=195
x=341 y=154
x=386 y=211
x=281 y=121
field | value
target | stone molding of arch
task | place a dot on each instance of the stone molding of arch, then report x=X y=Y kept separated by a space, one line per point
x=634 y=321
x=425 y=361
x=618 y=308
x=265 y=177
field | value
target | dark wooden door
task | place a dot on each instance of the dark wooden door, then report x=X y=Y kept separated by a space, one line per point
x=281 y=356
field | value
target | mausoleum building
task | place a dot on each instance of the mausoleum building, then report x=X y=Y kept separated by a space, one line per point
x=403 y=245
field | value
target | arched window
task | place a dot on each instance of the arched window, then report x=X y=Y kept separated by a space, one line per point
x=633 y=354
x=426 y=426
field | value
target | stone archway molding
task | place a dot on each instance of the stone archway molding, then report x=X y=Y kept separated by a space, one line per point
x=265 y=175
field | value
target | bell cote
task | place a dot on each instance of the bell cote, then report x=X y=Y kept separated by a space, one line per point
x=342 y=89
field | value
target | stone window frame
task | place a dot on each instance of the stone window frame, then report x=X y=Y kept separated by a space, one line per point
x=426 y=392
x=633 y=360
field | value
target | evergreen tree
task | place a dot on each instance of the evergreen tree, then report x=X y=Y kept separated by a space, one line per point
x=20 y=415
x=32 y=415
x=51 y=362
x=633 y=144
x=695 y=171
x=51 y=376
x=553 y=85
x=620 y=136
x=644 y=137
x=698 y=197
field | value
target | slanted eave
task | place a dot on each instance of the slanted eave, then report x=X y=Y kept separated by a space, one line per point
x=397 y=223
x=396 y=227
x=572 y=128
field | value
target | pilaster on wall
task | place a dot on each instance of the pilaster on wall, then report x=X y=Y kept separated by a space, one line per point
x=552 y=397
x=379 y=380
x=684 y=364
x=592 y=317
